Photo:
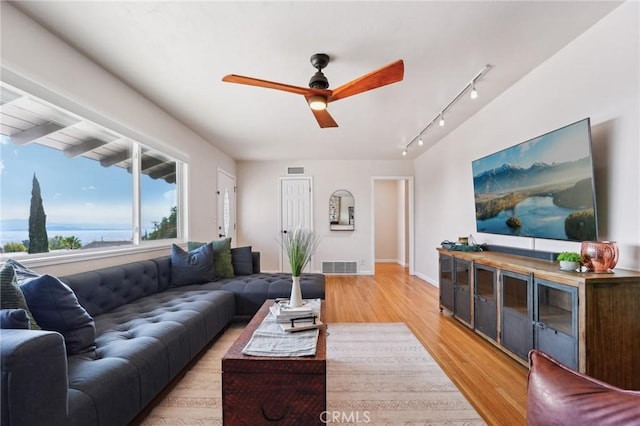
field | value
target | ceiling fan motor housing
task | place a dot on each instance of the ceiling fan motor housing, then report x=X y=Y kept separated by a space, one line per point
x=318 y=80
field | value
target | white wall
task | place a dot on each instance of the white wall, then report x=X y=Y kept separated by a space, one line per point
x=36 y=61
x=597 y=76
x=258 y=207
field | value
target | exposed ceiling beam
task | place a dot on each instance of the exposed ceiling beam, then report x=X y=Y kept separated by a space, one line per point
x=35 y=133
x=86 y=146
x=6 y=102
x=148 y=162
x=115 y=158
x=163 y=172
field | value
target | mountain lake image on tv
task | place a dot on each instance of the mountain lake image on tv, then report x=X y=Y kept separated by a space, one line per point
x=541 y=188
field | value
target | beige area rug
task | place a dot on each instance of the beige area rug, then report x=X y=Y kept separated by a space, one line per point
x=382 y=374
x=377 y=374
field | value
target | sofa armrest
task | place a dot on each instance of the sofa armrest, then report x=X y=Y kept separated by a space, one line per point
x=560 y=396
x=34 y=378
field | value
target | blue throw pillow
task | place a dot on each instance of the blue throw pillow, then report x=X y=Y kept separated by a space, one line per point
x=221 y=256
x=192 y=267
x=14 y=318
x=242 y=260
x=55 y=307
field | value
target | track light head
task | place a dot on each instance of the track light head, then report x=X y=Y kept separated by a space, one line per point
x=404 y=152
x=441 y=122
x=420 y=141
x=474 y=92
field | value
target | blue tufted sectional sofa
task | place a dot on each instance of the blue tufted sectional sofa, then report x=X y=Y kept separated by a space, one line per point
x=147 y=332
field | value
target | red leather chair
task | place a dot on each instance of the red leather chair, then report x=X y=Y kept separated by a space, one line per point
x=557 y=395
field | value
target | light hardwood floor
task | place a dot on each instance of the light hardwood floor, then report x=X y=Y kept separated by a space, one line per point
x=493 y=382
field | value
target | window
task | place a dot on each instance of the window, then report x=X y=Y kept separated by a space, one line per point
x=159 y=196
x=69 y=184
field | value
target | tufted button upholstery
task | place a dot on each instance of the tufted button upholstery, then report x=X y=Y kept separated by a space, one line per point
x=107 y=289
x=151 y=340
x=252 y=290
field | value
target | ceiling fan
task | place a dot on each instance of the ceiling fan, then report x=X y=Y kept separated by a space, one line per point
x=318 y=95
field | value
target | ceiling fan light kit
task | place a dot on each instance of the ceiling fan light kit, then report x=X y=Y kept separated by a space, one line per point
x=440 y=117
x=318 y=95
x=317 y=102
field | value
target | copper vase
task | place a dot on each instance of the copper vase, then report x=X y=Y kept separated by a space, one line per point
x=599 y=256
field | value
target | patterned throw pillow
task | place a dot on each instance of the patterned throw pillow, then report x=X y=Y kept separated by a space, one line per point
x=221 y=256
x=11 y=296
x=22 y=272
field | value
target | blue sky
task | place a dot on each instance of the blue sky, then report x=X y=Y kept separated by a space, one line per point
x=75 y=191
x=567 y=144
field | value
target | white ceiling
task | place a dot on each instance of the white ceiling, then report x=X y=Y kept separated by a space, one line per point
x=176 y=53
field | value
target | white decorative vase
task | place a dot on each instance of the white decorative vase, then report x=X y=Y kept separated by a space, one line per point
x=295 y=300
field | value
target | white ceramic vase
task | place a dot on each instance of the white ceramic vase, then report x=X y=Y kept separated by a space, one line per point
x=295 y=300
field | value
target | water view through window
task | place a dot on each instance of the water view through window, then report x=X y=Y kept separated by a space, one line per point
x=86 y=204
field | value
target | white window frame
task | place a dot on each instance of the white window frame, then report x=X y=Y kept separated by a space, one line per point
x=138 y=245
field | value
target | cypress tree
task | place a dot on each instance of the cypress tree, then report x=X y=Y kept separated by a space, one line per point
x=38 y=241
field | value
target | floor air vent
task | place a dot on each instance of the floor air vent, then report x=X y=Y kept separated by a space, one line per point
x=339 y=267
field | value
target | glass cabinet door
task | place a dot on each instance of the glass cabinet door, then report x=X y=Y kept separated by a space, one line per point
x=516 y=313
x=446 y=282
x=462 y=298
x=556 y=321
x=485 y=312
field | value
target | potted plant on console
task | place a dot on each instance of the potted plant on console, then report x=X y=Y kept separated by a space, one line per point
x=299 y=244
x=569 y=260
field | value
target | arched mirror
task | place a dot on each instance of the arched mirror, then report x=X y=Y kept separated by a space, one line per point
x=341 y=206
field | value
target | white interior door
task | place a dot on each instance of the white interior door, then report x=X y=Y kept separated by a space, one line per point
x=226 y=194
x=295 y=209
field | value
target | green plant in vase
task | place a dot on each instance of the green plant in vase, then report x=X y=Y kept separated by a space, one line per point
x=299 y=245
x=569 y=260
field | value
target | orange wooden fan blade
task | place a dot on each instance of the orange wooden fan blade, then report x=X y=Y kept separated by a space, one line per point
x=250 y=81
x=323 y=118
x=388 y=74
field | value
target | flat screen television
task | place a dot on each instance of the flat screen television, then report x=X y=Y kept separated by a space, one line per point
x=541 y=188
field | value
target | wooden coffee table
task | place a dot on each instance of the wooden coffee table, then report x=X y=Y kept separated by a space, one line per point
x=273 y=390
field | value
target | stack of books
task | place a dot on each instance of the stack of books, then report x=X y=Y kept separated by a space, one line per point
x=305 y=317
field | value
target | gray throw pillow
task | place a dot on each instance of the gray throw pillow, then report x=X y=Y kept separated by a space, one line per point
x=11 y=296
x=55 y=307
x=192 y=267
x=22 y=272
x=242 y=260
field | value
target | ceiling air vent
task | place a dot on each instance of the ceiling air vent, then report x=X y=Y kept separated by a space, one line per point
x=295 y=170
